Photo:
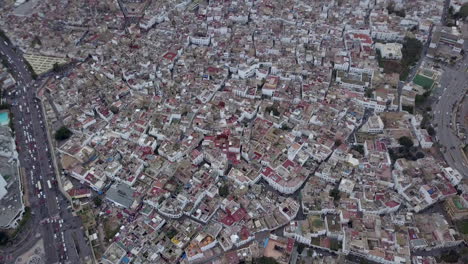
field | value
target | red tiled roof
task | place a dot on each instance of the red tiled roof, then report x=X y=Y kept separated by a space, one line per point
x=267 y=171
x=228 y=220
x=290 y=245
x=239 y=214
x=391 y=204
x=79 y=192
x=288 y=163
x=169 y=55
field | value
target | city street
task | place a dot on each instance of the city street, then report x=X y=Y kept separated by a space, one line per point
x=62 y=233
x=454 y=85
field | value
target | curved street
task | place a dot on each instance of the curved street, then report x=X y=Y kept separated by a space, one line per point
x=454 y=83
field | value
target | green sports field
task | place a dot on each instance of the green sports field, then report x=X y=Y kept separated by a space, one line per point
x=423 y=81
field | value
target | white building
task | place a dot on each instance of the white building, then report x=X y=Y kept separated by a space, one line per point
x=204 y=41
x=150 y=20
x=346 y=186
x=374 y=125
x=424 y=139
x=390 y=51
x=452 y=175
x=378 y=106
x=245 y=71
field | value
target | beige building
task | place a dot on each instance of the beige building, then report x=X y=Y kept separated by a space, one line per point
x=457 y=207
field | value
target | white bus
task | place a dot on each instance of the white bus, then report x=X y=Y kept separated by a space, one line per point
x=39 y=185
x=48 y=184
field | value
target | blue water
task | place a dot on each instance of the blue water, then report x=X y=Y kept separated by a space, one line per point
x=266 y=242
x=4 y=118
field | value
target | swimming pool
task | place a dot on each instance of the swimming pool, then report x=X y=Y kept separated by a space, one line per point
x=4 y=118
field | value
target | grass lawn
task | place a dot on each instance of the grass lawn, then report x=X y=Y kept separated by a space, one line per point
x=462 y=226
x=391 y=66
x=423 y=81
x=110 y=229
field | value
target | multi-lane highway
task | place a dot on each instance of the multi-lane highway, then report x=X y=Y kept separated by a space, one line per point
x=454 y=83
x=52 y=220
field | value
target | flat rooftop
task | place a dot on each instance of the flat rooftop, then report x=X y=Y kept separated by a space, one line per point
x=11 y=204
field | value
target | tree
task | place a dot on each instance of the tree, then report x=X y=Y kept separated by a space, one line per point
x=31 y=70
x=379 y=58
x=335 y=245
x=393 y=155
x=97 y=201
x=406 y=142
x=419 y=155
x=420 y=99
x=114 y=109
x=4 y=36
x=285 y=127
x=335 y=193
x=425 y=122
x=358 y=148
x=223 y=191
x=171 y=233
x=273 y=110
x=300 y=248
x=451 y=10
x=63 y=133
x=4 y=238
x=407 y=108
x=431 y=131
x=369 y=93
x=463 y=13
x=400 y=13
x=391 y=7
x=338 y=142
x=5 y=106
x=411 y=50
x=450 y=257
x=56 y=67
x=36 y=41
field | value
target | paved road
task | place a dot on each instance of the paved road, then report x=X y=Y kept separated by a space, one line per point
x=52 y=218
x=454 y=83
x=415 y=68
